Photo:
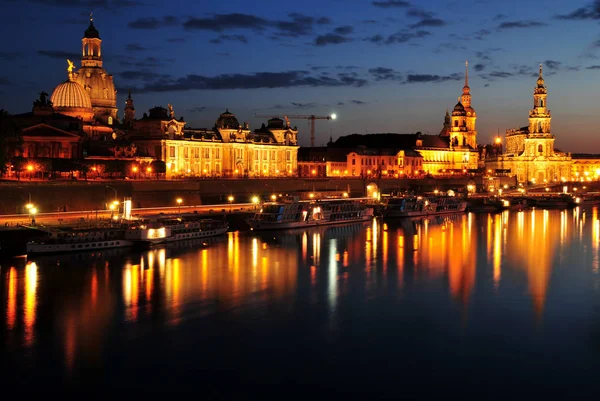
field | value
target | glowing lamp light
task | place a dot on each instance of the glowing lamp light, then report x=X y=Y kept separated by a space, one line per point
x=498 y=140
x=255 y=200
x=230 y=198
x=179 y=201
x=29 y=167
x=29 y=206
x=345 y=194
x=111 y=206
x=33 y=210
x=149 y=169
x=311 y=195
x=333 y=116
x=273 y=197
x=134 y=169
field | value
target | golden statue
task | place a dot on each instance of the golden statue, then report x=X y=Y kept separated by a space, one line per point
x=70 y=69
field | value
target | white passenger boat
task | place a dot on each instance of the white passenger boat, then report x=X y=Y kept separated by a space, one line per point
x=293 y=213
x=73 y=239
x=423 y=206
x=175 y=228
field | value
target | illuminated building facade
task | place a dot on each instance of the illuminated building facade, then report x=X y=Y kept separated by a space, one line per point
x=530 y=153
x=229 y=149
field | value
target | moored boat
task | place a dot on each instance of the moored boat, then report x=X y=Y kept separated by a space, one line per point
x=423 y=206
x=74 y=239
x=293 y=213
x=174 y=228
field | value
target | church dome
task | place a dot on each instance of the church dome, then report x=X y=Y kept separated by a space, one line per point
x=71 y=95
x=459 y=110
x=227 y=120
x=91 y=32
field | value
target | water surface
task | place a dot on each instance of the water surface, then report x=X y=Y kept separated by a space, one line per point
x=487 y=305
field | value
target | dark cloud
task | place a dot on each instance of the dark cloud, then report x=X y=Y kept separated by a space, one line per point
x=90 y=4
x=552 y=65
x=331 y=39
x=588 y=12
x=147 y=62
x=60 y=54
x=153 y=23
x=357 y=102
x=417 y=13
x=302 y=105
x=340 y=103
x=10 y=56
x=520 y=24
x=198 y=109
x=499 y=17
x=480 y=34
x=385 y=74
x=347 y=67
x=432 y=22
x=593 y=67
x=135 y=47
x=391 y=3
x=344 y=30
x=424 y=78
x=285 y=79
x=142 y=75
x=297 y=24
x=479 y=67
x=231 y=38
x=398 y=37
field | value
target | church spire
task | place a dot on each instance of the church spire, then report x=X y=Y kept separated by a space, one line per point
x=466 y=88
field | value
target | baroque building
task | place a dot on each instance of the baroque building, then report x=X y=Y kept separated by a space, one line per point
x=529 y=152
x=229 y=149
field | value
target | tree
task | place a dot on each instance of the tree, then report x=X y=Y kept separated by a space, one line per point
x=10 y=139
x=159 y=167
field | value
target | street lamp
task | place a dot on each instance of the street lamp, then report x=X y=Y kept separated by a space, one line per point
x=32 y=212
x=230 y=198
x=115 y=191
x=179 y=202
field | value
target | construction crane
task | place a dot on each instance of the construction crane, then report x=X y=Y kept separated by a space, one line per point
x=311 y=118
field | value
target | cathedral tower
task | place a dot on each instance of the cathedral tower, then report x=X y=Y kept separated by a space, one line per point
x=539 y=116
x=129 y=111
x=94 y=79
x=463 y=132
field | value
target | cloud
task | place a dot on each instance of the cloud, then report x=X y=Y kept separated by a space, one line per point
x=331 y=39
x=231 y=38
x=588 y=12
x=153 y=23
x=147 y=62
x=135 y=47
x=58 y=54
x=384 y=74
x=499 y=17
x=105 y=4
x=424 y=78
x=432 y=22
x=198 y=109
x=391 y=3
x=339 y=103
x=285 y=79
x=303 y=105
x=344 y=30
x=552 y=65
x=593 y=67
x=520 y=24
x=10 y=56
x=297 y=24
x=142 y=75
x=479 y=67
x=398 y=37
x=417 y=13
x=360 y=102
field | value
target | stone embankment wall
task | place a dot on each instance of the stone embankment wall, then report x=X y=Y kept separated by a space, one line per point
x=94 y=195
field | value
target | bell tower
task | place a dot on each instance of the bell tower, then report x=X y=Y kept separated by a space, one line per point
x=129 y=111
x=539 y=116
x=91 y=46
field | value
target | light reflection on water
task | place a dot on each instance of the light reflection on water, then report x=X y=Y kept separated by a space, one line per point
x=519 y=264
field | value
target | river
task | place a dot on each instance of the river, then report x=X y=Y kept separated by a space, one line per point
x=481 y=305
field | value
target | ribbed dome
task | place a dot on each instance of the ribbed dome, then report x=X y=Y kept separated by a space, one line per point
x=227 y=120
x=70 y=94
x=459 y=110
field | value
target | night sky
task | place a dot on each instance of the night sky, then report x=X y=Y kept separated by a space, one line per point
x=381 y=66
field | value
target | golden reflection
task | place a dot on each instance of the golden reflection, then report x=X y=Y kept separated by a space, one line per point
x=461 y=263
x=94 y=289
x=345 y=261
x=30 y=300
x=11 y=313
x=332 y=276
x=400 y=260
x=304 y=247
x=497 y=258
x=384 y=245
x=316 y=249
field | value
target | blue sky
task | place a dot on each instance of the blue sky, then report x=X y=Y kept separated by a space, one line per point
x=381 y=66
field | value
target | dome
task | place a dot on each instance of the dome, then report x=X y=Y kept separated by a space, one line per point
x=227 y=120
x=72 y=95
x=91 y=32
x=459 y=110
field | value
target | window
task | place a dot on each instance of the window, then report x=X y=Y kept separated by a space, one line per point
x=171 y=151
x=206 y=153
x=110 y=120
x=456 y=123
x=196 y=152
x=186 y=152
x=354 y=162
x=540 y=148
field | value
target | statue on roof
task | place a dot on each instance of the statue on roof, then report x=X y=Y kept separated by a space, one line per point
x=70 y=69
x=171 y=111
